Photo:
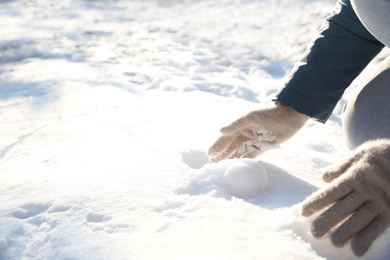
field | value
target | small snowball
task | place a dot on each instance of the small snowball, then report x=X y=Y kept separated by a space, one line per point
x=245 y=178
x=195 y=159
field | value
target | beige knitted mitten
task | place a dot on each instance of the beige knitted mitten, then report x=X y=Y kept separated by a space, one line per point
x=256 y=132
x=358 y=196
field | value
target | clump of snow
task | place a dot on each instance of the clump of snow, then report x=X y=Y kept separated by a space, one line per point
x=209 y=179
x=241 y=178
x=245 y=178
x=195 y=159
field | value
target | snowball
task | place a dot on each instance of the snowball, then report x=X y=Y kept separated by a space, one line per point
x=245 y=178
x=195 y=159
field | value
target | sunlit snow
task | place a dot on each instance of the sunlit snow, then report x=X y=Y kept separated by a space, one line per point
x=107 y=109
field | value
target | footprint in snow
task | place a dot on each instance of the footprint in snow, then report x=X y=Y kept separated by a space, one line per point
x=97 y=217
x=103 y=222
x=29 y=210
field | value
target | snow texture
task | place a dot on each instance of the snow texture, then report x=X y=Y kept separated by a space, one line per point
x=107 y=109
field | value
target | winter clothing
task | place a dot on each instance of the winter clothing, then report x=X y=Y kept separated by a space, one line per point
x=356 y=204
x=360 y=194
x=257 y=132
x=367 y=114
x=375 y=17
x=336 y=57
x=358 y=197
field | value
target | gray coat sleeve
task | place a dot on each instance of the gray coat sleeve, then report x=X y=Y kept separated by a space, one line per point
x=333 y=60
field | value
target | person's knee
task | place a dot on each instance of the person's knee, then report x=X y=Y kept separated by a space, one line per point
x=374 y=15
x=367 y=115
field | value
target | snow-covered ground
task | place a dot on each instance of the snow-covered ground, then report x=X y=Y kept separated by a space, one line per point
x=107 y=109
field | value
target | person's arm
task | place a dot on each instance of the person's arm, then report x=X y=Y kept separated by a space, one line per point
x=338 y=55
x=335 y=58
